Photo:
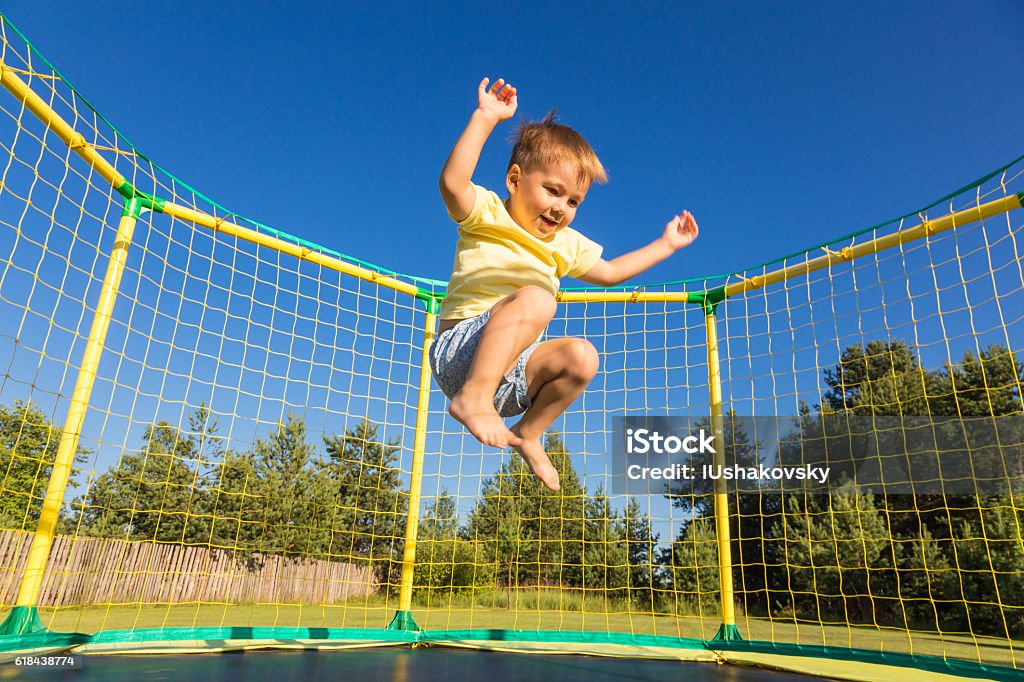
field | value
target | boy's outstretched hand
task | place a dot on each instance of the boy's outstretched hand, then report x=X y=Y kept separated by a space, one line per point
x=499 y=101
x=680 y=231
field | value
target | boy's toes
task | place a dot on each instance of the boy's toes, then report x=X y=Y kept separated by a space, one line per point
x=500 y=438
x=495 y=440
x=480 y=417
x=550 y=479
x=537 y=459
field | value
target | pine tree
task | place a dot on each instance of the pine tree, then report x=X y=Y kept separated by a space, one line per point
x=369 y=514
x=154 y=494
x=605 y=559
x=445 y=561
x=881 y=377
x=839 y=556
x=692 y=565
x=695 y=495
x=285 y=475
x=28 y=448
x=989 y=556
x=645 y=578
x=987 y=384
x=534 y=535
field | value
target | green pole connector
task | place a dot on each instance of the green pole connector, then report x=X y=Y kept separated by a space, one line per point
x=22 y=620
x=728 y=633
x=431 y=301
x=135 y=201
x=708 y=300
x=403 y=620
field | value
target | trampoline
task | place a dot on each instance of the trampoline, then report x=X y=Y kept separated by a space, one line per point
x=269 y=487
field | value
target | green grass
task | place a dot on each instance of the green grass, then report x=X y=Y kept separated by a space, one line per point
x=533 y=609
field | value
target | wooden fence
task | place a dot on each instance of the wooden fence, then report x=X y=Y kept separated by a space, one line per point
x=86 y=570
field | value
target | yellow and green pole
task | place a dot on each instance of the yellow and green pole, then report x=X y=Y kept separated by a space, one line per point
x=403 y=619
x=709 y=301
x=24 y=617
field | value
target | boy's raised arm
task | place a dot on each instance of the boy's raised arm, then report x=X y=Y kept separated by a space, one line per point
x=679 y=233
x=495 y=104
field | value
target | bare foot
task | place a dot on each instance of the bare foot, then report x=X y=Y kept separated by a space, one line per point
x=478 y=415
x=533 y=452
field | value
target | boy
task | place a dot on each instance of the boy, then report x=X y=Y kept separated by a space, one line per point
x=508 y=262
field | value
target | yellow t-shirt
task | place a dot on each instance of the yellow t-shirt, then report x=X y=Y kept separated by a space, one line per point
x=496 y=257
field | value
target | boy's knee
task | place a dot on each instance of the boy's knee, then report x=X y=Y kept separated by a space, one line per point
x=539 y=300
x=583 y=360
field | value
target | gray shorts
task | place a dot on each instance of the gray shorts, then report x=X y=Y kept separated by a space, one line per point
x=452 y=354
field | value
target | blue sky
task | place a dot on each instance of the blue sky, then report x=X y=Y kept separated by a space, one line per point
x=777 y=124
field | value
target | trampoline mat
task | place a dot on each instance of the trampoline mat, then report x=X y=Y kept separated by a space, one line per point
x=402 y=665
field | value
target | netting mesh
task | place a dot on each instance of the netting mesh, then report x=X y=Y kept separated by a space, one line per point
x=246 y=456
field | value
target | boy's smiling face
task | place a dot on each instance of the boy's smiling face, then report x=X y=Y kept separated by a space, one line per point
x=544 y=200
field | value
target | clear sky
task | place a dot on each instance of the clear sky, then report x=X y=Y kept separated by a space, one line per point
x=778 y=124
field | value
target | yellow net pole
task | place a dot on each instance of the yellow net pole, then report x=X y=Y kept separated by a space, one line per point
x=415 y=485
x=225 y=227
x=32 y=581
x=636 y=296
x=58 y=125
x=926 y=228
x=721 y=496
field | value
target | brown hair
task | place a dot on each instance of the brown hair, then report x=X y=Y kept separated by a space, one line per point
x=545 y=143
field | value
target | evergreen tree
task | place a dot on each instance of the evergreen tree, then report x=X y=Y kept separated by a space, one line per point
x=927 y=585
x=154 y=494
x=695 y=495
x=28 y=448
x=445 y=561
x=750 y=513
x=605 y=552
x=234 y=504
x=289 y=515
x=929 y=533
x=440 y=520
x=988 y=384
x=536 y=535
x=279 y=498
x=692 y=565
x=881 y=377
x=843 y=558
x=990 y=559
x=645 y=578
x=755 y=548
x=369 y=514
x=838 y=555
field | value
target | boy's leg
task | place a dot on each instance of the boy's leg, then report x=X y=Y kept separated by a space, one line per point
x=515 y=322
x=557 y=373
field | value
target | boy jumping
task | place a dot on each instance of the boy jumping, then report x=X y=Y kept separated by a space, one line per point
x=508 y=262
